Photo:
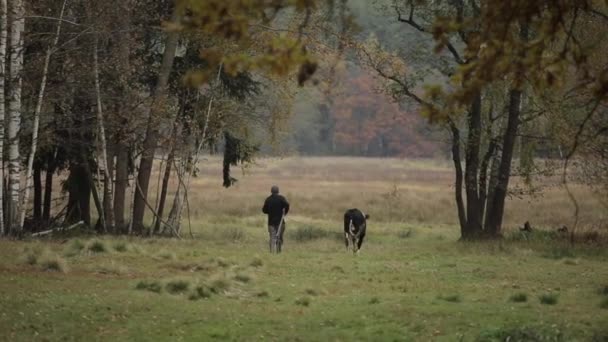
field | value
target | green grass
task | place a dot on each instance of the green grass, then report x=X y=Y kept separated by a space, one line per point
x=417 y=289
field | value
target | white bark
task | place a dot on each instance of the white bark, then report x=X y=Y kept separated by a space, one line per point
x=30 y=161
x=175 y=216
x=3 y=38
x=14 y=124
x=104 y=151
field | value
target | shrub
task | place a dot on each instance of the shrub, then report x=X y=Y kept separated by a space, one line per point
x=219 y=285
x=152 y=286
x=177 y=286
x=374 y=300
x=404 y=234
x=521 y=334
x=548 y=298
x=604 y=303
x=311 y=292
x=303 y=301
x=604 y=290
x=262 y=294
x=200 y=292
x=519 y=297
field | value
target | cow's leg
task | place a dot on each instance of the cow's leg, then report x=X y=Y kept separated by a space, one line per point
x=346 y=239
x=360 y=242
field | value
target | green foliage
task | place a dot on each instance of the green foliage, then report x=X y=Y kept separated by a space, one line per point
x=548 y=298
x=236 y=151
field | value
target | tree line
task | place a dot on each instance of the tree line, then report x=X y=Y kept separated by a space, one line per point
x=94 y=92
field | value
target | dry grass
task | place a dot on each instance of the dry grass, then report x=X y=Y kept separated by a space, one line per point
x=391 y=190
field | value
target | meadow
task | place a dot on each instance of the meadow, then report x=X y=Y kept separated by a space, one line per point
x=412 y=281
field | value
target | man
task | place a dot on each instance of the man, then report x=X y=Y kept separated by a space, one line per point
x=276 y=207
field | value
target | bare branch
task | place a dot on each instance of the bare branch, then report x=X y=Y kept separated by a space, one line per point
x=410 y=21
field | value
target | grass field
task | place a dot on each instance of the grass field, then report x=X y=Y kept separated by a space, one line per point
x=413 y=281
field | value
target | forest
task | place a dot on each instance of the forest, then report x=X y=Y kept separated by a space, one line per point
x=139 y=140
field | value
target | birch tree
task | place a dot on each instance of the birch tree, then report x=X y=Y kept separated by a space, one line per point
x=3 y=38
x=40 y=100
x=17 y=25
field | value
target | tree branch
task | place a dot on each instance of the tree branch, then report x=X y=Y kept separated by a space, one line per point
x=410 y=21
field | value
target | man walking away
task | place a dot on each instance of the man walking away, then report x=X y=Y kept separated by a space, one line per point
x=276 y=207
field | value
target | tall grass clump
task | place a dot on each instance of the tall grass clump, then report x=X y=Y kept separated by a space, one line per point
x=519 y=297
x=604 y=303
x=53 y=263
x=233 y=234
x=97 y=246
x=548 y=299
x=303 y=301
x=152 y=286
x=31 y=254
x=308 y=233
x=75 y=247
x=121 y=246
x=177 y=286
x=256 y=262
x=455 y=298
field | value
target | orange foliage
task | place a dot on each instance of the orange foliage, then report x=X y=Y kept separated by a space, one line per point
x=370 y=123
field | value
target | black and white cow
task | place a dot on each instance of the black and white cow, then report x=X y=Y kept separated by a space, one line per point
x=355 y=224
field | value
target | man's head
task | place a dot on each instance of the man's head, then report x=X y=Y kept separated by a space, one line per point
x=274 y=190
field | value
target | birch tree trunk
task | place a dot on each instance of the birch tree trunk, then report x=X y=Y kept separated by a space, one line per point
x=108 y=211
x=14 y=124
x=3 y=38
x=30 y=161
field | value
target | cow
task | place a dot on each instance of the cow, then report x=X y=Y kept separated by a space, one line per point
x=355 y=224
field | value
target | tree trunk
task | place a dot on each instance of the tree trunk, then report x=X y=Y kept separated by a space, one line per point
x=79 y=200
x=30 y=161
x=462 y=218
x=3 y=39
x=495 y=215
x=474 y=224
x=37 y=194
x=152 y=132
x=14 y=125
x=48 y=191
x=496 y=211
x=122 y=183
x=108 y=211
x=163 y=193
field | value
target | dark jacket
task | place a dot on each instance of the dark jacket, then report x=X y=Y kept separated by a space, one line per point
x=273 y=207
